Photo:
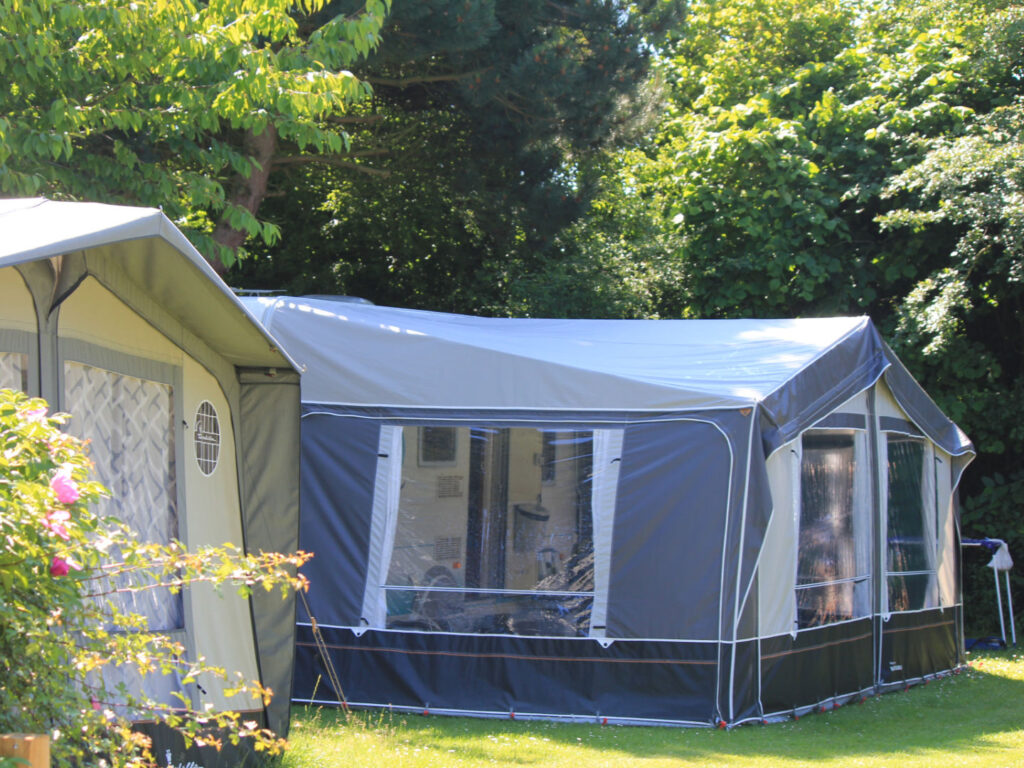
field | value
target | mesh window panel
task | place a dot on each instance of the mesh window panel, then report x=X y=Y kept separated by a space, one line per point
x=910 y=560
x=514 y=554
x=14 y=371
x=827 y=553
x=130 y=425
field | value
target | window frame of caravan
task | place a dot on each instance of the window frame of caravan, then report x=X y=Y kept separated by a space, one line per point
x=891 y=425
x=422 y=461
x=375 y=587
x=97 y=356
x=856 y=425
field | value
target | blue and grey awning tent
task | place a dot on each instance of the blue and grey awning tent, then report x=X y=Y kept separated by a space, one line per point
x=686 y=522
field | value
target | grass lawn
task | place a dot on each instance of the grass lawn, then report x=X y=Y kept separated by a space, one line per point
x=973 y=719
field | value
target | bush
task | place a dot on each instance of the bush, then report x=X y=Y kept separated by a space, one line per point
x=63 y=569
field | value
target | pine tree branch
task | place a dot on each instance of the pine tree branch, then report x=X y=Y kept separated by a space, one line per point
x=406 y=82
x=353 y=120
x=335 y=160
x=563 y=9
x=510 y=106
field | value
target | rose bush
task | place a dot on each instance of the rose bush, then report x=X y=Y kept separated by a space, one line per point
x=61 y=566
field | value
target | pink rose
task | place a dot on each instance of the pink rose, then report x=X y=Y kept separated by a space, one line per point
x=54 y=522
x=61 y=567
x=65 y=488
x=34 y=414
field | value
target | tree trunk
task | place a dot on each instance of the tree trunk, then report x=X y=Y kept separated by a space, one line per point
x=248 y=192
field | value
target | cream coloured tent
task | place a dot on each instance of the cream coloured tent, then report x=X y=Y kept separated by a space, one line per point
x=191 y=409
x=688 y=521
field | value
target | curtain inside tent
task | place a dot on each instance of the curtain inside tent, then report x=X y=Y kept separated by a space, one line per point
x=827 y=562
x=13 y=371
x=911 y=526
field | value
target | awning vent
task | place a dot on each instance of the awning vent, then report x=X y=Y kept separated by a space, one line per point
x=207 y=437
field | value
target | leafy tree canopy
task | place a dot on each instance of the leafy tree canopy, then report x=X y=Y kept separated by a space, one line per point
x=178 y=103
x=778 y=175
x=474 y=153
x=787 y=119
x=822 y=157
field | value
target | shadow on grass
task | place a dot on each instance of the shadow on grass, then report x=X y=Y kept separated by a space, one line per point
x=960 y=713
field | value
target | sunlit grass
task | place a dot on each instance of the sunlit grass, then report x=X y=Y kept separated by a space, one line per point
x=973 y=719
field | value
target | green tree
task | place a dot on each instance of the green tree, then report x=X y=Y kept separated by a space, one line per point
x=616 y=261
x=962 y=326
x=836 y=158
x=778 y=170
x=473 y=154
x=179 y=104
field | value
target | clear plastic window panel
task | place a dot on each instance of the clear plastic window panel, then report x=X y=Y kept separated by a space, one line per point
x=14 y=371
x=130 y=425
x=911 y=535
x=828 y=576
x=499 y=538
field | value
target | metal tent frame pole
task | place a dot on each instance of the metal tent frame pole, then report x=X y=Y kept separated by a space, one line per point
x=1009 y=604
x=999 y=603
x=994 y=545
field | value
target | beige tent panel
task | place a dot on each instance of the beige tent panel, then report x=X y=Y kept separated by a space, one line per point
x=777 y=583
x=886 y=405
x=856 y=404
x=95 y=315
x=947 y=544
x=17 y=312
x=221 y=627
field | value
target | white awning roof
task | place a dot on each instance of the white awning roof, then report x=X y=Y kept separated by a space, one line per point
x=357 y=354
x=153 y=254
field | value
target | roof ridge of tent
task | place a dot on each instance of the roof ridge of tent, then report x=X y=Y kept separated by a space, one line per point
x=865 y=320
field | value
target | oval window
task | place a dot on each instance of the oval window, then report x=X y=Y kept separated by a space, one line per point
x=207 y=437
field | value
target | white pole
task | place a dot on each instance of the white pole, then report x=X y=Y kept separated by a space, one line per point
x=999 y=602
x=1009 y=602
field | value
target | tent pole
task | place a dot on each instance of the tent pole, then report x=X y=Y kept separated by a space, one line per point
x=999 y=603
x=1009 y=604
x=325 y=654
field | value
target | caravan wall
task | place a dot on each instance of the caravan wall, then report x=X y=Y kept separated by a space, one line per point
x=140 y=400
x=668 y=568
x=191 y=411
